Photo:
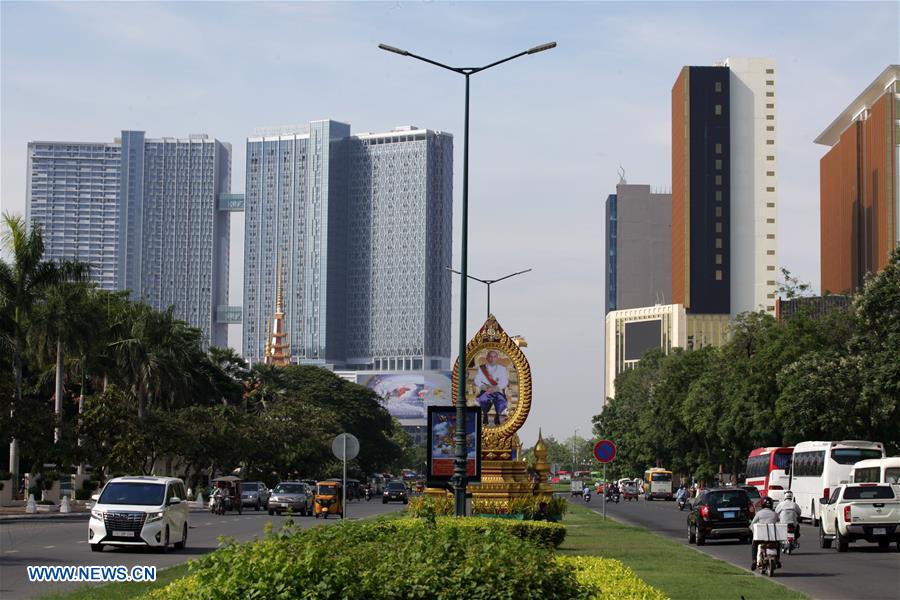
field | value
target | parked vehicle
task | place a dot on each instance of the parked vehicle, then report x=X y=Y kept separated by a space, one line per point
x=576 y=487
x=768 y=470
x=139 y=511
x=228 y=489
x=658 y=484
x=255 y=494
x=329 y=500
x=818 y=467
x=395 y=491
x=294 y=496
x=720 y=513
x=878 y=470
x=860 y=511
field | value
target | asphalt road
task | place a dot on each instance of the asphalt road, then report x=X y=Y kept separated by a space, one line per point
x=64 y=542
x=862 y=573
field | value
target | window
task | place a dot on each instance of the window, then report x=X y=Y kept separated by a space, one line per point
x=770 y=282
x=718 y=195
x=718 y=259
x=718 y=180
x=718 y=228
x=770 y=71
x=718 y=164
x=770 y=142
x=770 y=158
x=770 y=117
x=718 y=148
x=718 y=242
x=770 y=128
x=770 y=173
x=770 y=106
x=770 y=189
x=718 y=211
x=770 y=94
x=770 y=252
x=718 y=274
x=770 y=267
x=718 y=109
x=718 y=86
x=770 y=82
x=770 y=236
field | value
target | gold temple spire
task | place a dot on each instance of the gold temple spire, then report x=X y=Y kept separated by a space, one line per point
x=277 y=349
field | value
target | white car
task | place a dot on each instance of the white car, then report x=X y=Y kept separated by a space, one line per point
x=860 y=511
x=139 y=511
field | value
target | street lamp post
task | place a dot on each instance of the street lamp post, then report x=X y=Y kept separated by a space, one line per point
x=459 y=471
x=574 y=460
x=489 y=283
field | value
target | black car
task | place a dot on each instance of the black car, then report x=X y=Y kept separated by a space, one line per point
x=720 y=513
x=395 y=491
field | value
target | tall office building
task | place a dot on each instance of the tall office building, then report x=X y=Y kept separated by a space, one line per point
x=723 y=187
x=859 y=193
x=361 y=225
x=638 y=247
x=144 y=213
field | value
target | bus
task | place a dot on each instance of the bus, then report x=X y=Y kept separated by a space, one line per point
x=884 y=470
x=767 y=470
x=657 y=484
x=817 y=467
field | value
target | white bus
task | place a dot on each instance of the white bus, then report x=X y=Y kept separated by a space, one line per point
x=884 y=470
x=819 y=466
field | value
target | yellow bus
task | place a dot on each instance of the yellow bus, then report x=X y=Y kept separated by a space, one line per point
x=657 y=484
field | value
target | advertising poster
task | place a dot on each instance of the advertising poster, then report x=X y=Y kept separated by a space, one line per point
x=407 y=396
x=441 y=440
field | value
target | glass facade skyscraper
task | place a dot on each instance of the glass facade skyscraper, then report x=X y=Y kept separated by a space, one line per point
x=360 y=226
x=144 y=214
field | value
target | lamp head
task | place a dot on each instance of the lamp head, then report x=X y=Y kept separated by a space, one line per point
x=397 y=50
x=542 y=47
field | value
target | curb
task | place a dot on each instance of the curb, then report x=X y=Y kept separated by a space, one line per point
x=44 y=516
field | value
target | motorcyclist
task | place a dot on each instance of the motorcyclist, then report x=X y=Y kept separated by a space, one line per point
x=765 y=516
x=586 y=492
x=681 y=494
x=788 y=511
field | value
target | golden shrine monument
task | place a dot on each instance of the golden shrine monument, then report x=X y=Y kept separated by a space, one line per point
x=498 y=383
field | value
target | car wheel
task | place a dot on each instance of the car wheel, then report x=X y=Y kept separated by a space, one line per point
x=317 y=515
x=96 y=547
x=406 y=502
x=257 y=505
x=843 y=543
x=165 y=547
x=884 y=544
x=181 y=545
x=692 y=539
x=384 y=501
x=271 y=512
x=701 y=539
x=823 y=541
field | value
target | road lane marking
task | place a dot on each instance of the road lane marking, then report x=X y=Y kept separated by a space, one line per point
x=49 y=547
x=10 y=551
x=81 y=542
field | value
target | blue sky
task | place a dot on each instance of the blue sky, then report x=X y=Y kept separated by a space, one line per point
x=548 y=131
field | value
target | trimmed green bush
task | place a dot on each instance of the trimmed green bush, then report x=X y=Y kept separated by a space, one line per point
x=527 y=506
x=608 y=579
x=424 y=506
x=380 y=560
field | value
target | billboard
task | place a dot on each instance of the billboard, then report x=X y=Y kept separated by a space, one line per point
x=407 y=395
x=441 y=443
x=641 y=336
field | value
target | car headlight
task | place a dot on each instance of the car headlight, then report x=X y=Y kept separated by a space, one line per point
x=97 y=514
x=156 y=516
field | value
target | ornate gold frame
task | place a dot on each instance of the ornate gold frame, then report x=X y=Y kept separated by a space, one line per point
x=498 y=442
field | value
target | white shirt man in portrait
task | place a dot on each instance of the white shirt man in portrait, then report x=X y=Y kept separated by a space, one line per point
x=491 y=381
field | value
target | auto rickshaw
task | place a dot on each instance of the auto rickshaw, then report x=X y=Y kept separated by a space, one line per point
x=226 y=495
x=328 y=499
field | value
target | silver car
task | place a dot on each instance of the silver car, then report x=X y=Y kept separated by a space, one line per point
x=295 y=496
x=255 y=494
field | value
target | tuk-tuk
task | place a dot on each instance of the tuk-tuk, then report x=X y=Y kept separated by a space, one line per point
x=226 y=495
x=328 y=499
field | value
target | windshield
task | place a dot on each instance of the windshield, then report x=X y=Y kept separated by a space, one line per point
x=874 y=492
x=327 y=490
x=849 y=456
x=250 y=486
x=145 y=494
x=396 y=486
x=782 y=460
x=289 y=488
x=661 y=477
x=753 y=493
x=736 y=498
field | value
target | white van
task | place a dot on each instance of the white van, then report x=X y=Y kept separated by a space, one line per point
x=139 y=511
x=818 y=467
x=878 y=470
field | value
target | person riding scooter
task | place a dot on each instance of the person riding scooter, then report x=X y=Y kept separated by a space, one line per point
x=586 y=493
x=788 y=512
x=681 y=497
x=765 y=516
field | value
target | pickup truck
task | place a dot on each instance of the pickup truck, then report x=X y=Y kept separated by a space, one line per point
x=860 y=511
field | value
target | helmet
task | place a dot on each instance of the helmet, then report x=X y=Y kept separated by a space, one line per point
x=767 y=502
x=789 y=495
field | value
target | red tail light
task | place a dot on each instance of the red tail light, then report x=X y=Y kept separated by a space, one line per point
x=847 y=514
x=775 y=487
x=825 y=493
x=704 y=512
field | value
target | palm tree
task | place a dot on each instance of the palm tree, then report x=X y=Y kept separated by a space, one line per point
x=63 y=320
x=21 y=282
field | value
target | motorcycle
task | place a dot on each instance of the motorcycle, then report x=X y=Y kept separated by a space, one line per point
x=586 y=496
x=682 y=502
x=767 y=558
x=218 y=504
x=791 y=543
x=368 y=494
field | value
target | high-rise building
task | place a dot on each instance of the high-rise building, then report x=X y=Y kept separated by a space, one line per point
x=723 y=187
x=859 y=192
x=144 y=214
x=638 y=247
x=363 y=225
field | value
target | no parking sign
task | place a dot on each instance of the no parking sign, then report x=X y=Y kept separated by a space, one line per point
x=605 y=451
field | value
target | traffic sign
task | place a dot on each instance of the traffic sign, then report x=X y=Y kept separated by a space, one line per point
x=352 y=446
x=605 y=451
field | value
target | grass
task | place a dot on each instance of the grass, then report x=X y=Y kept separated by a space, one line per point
x=121 y=591
x=679 y=571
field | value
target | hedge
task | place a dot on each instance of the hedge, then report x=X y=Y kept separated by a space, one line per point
x=541 y=533
x=396 y=559
x=609 y=579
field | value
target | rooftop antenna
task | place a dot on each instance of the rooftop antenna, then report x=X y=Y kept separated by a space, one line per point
x=621 y=171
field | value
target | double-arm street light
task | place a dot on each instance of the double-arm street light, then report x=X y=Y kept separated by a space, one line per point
x=459 y=472
x=489 y=283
